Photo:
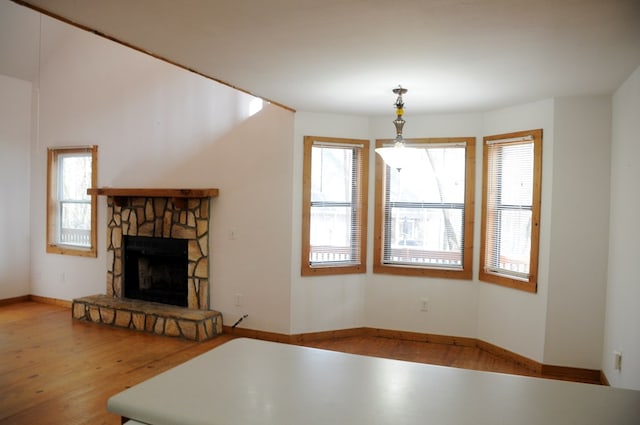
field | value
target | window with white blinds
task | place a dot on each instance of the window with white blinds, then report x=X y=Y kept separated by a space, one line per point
x=511 y=209
x=335 y=188
x=424 y=217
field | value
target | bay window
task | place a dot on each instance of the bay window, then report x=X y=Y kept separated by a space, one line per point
x=424 y=211
x=511 y=209
x=334 y=222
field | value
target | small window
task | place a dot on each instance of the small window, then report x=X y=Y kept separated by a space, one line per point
x=424 y=212
x=71 y=212
x=511 y=209
x=334 y=222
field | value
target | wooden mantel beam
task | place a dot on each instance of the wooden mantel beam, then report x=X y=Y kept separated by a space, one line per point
x=153 y=192
x=121 y=196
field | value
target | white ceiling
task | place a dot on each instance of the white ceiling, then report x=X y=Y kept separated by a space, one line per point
x=345 y=56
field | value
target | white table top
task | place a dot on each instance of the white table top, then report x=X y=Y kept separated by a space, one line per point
x=247 y=382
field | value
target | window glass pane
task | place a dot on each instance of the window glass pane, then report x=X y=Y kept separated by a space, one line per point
x=438 y=176
x=75 y=223
x=428 y=236
x=76 y=216
x=331 y=234
x=515 y=241
x=331 y=174
x=510 y=208
x=75 y=176
x=515 y=168
x=425 y=209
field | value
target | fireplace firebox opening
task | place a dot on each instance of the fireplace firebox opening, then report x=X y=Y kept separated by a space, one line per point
x=156 y=269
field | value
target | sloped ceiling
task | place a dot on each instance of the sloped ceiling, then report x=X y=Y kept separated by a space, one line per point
x=345 y=56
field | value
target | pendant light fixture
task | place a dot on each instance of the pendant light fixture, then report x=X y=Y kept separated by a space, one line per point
x=398 y=155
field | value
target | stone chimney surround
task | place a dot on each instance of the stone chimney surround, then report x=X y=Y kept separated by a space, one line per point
x=163 y=213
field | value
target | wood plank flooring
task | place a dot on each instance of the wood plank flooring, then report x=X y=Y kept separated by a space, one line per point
x=421 y=352
x=55 y=370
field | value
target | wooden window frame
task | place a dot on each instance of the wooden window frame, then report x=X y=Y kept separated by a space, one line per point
x=529 y=284
x=53 y=246
x=466 y=272
x=362 y=187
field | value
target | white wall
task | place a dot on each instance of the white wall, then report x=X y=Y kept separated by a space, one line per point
x=552 y=326
x=512 y=319
x=393 y=302
x=320 y=303
x=15 y=133
x=159 y=126
x=580 y=232
x=375 y=300
x=622 y=325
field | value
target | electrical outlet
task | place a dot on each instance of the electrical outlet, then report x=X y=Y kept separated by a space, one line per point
x=424 y=304
x=238 y=300
x=617 y=360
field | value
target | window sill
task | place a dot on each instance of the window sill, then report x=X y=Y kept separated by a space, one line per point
x=422 y=271
x=513 y=283
x=70 y=250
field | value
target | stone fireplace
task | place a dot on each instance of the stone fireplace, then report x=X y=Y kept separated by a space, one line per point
x=160 y=217
x=157 y=243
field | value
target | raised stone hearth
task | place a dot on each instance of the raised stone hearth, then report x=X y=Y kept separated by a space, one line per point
x=156 y=213
x=160 y=319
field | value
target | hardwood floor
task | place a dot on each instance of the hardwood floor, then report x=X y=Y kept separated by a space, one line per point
x=421 y=352
x=55 y=370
